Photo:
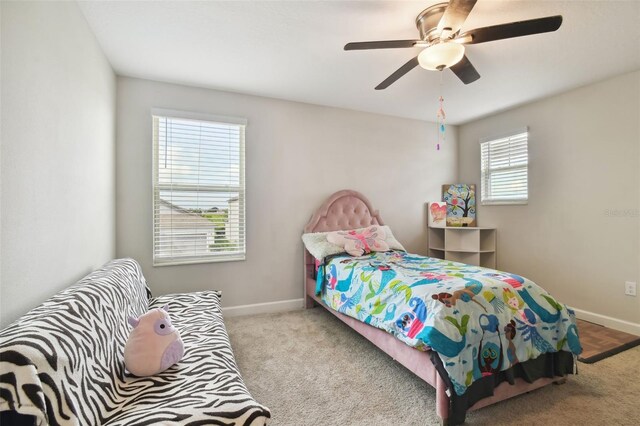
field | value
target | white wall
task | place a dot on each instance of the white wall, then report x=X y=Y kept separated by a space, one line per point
x=58 y=153
x=584 y=148
x=296 y=155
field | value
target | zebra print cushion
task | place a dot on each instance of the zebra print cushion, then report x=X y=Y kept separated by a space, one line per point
x=63 y=362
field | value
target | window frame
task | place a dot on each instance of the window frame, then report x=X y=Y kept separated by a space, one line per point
x=241 y=122
x=484 y=179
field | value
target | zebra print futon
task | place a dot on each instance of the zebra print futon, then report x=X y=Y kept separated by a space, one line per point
x=62 y=363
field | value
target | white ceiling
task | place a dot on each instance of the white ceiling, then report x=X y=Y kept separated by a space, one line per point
x=293 y=50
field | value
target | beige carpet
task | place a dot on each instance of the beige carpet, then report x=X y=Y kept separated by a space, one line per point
x=311 y=369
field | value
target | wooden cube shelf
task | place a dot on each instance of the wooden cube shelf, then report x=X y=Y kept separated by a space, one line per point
x=473 y=246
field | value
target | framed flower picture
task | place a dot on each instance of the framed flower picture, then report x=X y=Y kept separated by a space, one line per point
x=461 y=204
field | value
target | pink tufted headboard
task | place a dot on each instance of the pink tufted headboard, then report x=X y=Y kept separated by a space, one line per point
x=343 y=210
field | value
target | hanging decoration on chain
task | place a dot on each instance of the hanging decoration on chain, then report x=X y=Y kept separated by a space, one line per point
x=441 y=124
x=440 y=118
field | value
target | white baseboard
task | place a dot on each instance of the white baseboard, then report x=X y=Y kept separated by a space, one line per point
x=615 y=323
x=262 y=308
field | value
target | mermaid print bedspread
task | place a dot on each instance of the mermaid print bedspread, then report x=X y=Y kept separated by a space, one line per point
x=480 y=321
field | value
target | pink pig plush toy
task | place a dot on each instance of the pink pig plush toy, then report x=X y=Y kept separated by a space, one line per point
x=153 y=345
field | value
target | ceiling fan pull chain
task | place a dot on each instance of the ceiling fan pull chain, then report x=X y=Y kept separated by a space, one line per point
x=440 y=117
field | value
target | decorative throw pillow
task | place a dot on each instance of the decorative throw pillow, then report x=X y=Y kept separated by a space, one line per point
x=316 y=243
x=153 y=345
x=359 y=242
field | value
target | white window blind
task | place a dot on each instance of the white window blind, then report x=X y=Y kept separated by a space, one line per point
x=504 y=168
x=198 y=190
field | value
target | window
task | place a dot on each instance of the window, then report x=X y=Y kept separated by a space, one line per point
x=504 y=164
x=198 y=188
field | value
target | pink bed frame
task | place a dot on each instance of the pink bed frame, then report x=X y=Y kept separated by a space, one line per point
x=350 y=210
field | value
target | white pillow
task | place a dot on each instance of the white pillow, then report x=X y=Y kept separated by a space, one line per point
x=391 y=240
x=316 y=243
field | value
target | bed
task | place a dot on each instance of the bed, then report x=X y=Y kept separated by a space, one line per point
x=348 y=210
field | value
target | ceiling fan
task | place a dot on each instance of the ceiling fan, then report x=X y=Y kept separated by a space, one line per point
x=439 y=27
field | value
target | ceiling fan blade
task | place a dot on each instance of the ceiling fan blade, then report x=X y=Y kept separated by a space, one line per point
x=454 y=16
x=465 y=71
x=398 y=73
x=511 y=30
x=388 y=44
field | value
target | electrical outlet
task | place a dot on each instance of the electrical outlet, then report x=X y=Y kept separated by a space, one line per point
x=630 y=288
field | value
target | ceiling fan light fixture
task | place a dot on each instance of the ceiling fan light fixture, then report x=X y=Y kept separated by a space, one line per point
x=441 y=55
